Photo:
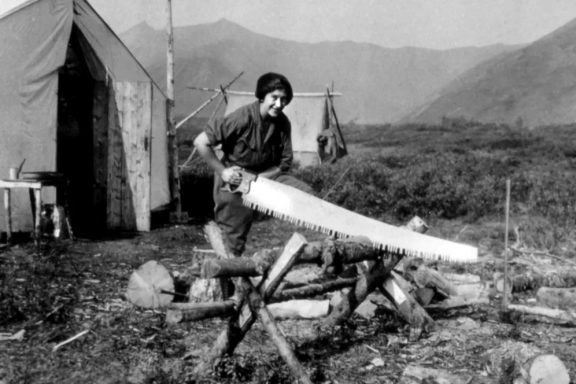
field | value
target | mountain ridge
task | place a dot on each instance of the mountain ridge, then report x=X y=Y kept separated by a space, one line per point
x=534 y=85
x=379 y=84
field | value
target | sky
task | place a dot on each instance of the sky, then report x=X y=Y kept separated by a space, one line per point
x=435 y=24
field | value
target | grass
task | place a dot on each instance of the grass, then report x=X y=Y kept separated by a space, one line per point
x=451 y=175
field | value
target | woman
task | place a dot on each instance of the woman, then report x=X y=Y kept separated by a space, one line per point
x=255 y=138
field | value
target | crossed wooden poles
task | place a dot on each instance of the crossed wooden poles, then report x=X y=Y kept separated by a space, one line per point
x=252 y=297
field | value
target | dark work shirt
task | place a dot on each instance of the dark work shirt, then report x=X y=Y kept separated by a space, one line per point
x=251 y=142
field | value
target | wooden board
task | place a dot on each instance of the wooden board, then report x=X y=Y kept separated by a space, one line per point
x=148 y=284
x=129 y=160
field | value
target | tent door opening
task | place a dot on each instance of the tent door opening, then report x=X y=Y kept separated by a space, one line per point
x=77 y=100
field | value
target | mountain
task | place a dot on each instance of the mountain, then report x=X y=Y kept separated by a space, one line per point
x=378 y=84
x=535 y=85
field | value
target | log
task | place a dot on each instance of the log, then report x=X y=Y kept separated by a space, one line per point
x=397 y=291
x=500 y=284
x=299 y=309
x=301 y=276
x=150 y=286
x=535 y=279
x=283 y=347
x=423 y=277
x=414 y=374
x=365 y=284
x=293 y=309
x=458 y=302
x=256 y=265
x=416 y=224
x=560 y=298
x=545 y=369
x=314 y=289
x=210 y=290
x=546 y=315
x=184 y=312
x=524 y=363
x=407 y=306
x=334 y=253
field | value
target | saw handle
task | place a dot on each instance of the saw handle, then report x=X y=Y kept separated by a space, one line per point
x=244 y=185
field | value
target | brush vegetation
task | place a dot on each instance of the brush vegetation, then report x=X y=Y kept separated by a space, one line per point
x=456 y=170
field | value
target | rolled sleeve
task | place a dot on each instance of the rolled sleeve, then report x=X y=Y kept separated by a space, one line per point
x=215 y=131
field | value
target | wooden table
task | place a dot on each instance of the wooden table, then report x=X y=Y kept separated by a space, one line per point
x=34 y=187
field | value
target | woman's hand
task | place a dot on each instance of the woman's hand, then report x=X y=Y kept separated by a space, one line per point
x=232 y=175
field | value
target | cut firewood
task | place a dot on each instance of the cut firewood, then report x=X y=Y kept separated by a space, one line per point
x=210 y=290
x=300 y=309
x=546 y=315
x=365 y=284
x=524 y=363
x=332 y=254
x=293 y=309
x=561 y=298
x=458 y=302
x=151 y=286
x=301 y=276
x=416 y=224
x=424 y=277
x=545 y=369
x=183 y=312
x=416 y=316
x=256 y=265
x=313 y=289
x=535 y=279
x=502 y=287
x=398 y=291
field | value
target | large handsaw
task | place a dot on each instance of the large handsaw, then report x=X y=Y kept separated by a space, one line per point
x=291 y=204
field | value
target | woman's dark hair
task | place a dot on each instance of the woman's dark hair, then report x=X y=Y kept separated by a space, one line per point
x=270 y=82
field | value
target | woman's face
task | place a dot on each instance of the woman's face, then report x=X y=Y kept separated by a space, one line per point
x=273 y=103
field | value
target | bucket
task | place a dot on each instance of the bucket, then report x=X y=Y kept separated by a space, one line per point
x=13 y=173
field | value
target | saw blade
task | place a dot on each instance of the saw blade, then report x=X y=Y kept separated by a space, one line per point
x=290 y=204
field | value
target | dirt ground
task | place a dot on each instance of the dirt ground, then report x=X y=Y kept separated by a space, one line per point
x=65 y=288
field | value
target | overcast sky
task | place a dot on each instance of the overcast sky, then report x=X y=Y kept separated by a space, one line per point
x=435 y=24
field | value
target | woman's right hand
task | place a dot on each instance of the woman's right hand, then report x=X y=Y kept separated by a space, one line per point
x=232 y=175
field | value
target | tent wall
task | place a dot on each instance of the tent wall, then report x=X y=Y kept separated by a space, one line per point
x=307 y=116
x=122 y=66
x=33 y=43
x=128 y=113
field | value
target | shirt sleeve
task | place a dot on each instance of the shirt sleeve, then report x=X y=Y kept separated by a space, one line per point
x=217 y=131
x=287 y=154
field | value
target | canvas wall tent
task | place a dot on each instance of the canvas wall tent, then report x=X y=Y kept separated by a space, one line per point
x=316 y=135
x=73 y=99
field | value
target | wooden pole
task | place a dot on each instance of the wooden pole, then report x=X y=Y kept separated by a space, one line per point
x=173 y=171
x=219 y=91
x=507 y=215
x=329 y=96
x=283 y=347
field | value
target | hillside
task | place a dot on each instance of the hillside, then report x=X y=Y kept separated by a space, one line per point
x=535 y=85
x=379 y=84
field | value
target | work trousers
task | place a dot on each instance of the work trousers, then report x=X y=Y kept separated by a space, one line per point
x=234 y=218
